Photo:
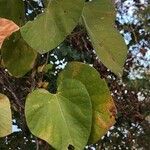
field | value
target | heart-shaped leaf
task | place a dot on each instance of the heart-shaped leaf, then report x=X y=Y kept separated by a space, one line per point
x=7 y=27
x=61 y=119
x=5 y=116
x=13 y=10
x=51 y=27
x=99 y=17
x=103 y=106
x=17 y=56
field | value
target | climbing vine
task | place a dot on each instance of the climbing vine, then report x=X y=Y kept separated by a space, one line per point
x=81 y=110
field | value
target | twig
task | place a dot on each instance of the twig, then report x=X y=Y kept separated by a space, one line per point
x=37 y=144
x=10 y=89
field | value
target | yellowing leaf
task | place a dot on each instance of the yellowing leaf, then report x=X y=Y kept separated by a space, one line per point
x=103 y=107
x=99 y=17
x=7 y=27
x=61 y=119
x=5 y=116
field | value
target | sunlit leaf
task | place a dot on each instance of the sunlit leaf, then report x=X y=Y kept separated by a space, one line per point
x=7 y=27
x=103 y=106
x=99 y=17
x=17 y=56
x=61 y=119
x=5 y=116
x=51 y=27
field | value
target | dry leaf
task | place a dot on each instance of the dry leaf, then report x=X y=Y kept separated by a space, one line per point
x=7 y=27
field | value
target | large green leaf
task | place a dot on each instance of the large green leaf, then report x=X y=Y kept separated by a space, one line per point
x=51 y=27
x=5 y=116
x=13 y=10
x=98 y=17
x=61 y=119
x=102 y=103
x=17 y=56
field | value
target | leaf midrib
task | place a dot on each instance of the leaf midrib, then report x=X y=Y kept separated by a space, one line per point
x=62 y=114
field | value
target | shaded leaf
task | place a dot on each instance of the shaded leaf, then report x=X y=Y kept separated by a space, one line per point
x=99 y=17
x=7 y=27
x=103 y=106
x=51 y=27
x=61 y=119
x=13 y=10
x=5 y=116
x=17 y=56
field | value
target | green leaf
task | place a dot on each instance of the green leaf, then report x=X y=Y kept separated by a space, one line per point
x=102 y=102
x=61 y=119
x=51 y=27
x=13 y=10
x=17 y=56
x=5 y=116
x=99 y=17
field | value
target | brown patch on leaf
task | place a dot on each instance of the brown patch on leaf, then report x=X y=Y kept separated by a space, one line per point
x=113 y=111
x=7 y=27
x=101 y=123
x=111 y=108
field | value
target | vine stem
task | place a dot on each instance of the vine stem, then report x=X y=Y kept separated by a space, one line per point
x=37 y=144
x=10 y=89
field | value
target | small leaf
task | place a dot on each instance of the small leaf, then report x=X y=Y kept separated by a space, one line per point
x=103 y=106
x=7 y=27
x=5 y=116
x=99 y=17
x=12 y=10
x=17 y=56
x=51 y=27
x=61 y=119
